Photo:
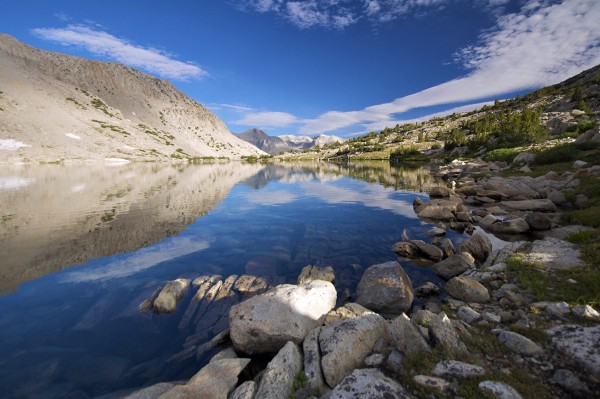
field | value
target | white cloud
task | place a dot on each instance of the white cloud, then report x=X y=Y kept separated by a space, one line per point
x=106 y=45
x=543 y=44
x=270 y=197
x=267 y=119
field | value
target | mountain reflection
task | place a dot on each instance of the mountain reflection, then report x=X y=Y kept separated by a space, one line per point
x=56 y=216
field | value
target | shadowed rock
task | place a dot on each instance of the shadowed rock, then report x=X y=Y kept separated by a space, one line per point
x=279 y=375
x=454 y=265
x=386 y=289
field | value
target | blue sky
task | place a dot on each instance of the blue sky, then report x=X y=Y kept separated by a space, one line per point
x=342 y=67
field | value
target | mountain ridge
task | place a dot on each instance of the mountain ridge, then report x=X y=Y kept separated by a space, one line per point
x=58 y=107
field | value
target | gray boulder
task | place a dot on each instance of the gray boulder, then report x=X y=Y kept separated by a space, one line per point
x=532 y=205
x=443 y=334
x=457 y=369
x=454 y=265
x=553 y=253
x=215 y=380
x=580 y=344
x=369 y=384
x=500 y=390
x=519 y=344
x=538 y=221
x=407 y=336
x=245 y=391
x=279 y=375
x=478 y=245
x=406 y=249
x=312 y=362
x=468 y=290
x=166 y=302
x=348 y=311
x=386 y=289
x=428 y=251
x=266 y=322
x=513 y=225
x=347 y=343
x=151 y=392
x=439 y=192
x=523 y=158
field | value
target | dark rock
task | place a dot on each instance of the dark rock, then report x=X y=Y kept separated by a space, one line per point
x=439 y=192
x=454 y=265
x=406 y=249
x=386 y=289
x=429 y=251
x=538 y=221
x=478 y=245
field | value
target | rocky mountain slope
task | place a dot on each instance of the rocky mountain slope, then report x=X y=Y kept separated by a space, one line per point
x=270 y=144
x=56 y=107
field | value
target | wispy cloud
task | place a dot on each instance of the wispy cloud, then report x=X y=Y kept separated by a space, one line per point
x=267 y=119
x=543 y=44
x=104 y=44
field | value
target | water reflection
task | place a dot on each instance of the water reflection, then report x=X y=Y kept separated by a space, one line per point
x=55 y=216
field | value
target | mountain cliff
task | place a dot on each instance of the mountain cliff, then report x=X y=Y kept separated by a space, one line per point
x=56 y=107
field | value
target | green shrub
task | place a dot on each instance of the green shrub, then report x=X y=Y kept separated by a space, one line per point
x=501 y=154
x=561 y=153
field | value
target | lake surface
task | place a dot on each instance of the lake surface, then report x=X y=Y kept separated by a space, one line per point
x=81 y=246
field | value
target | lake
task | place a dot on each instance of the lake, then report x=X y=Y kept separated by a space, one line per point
x=81 y=246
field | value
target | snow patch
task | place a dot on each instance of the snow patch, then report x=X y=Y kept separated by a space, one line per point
x=12 y=145
x=129 y=148
x=73 y=136
x=116 y=161
x=78 y=188
x=13 y=182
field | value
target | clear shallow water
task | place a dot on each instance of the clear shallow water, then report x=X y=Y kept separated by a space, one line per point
x=82 y=246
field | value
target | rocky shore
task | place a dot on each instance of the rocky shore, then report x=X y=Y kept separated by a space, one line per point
x=486 y=332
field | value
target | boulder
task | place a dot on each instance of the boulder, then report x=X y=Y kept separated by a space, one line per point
x=439 y=192
x=447 y=247
x=312 y=362
x=245 y=391
x=431 y=382
x=427 y=289
x=510 y=188
x=369 y=384
x=523 y=158
x=507 y=226
x=429 y=251
x=457 y=369
x=478 y=245
x=454 y=265
x=406 y=249
x=151 y=392
x=386 y=289
x=346 y=344
x=531 y=205
x=166 y=302
x=310 y=273
x=580 y=344
x=443 y=334
x=215 y=380
x=279 y=375
x=468 y=290
x=538 y=221
x=499 y=390
x=250 y=285
x=468 y=315
x=435 y=212
x=266 y=322
x=407 y=337
x=348 y=311
x=519 y=344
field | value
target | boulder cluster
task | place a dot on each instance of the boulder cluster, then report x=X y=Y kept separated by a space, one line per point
x=479 y=331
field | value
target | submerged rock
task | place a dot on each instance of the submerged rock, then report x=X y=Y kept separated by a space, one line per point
x=266 y=322
x=166 y=302
x=386 y=289
x=310 y=273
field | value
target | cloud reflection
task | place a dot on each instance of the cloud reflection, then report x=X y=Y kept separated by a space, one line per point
x=138 y=261
x=270 y=197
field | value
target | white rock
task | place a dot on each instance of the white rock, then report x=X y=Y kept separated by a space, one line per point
x=587 y=312
x=369 y=384
x=580 y=344
x=553 y=253
x=432 y=382
x=457 y=369
x=468 y=315
x=499 y=389
x=266 y=322
x=558 y=308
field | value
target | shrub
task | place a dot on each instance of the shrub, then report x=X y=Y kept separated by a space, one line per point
x=501 y=154
x=560 y=153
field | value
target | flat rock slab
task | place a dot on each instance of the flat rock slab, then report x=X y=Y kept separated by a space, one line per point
x=552 y=253
x=580 y=344
x=369 y=384
x=533 y=205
